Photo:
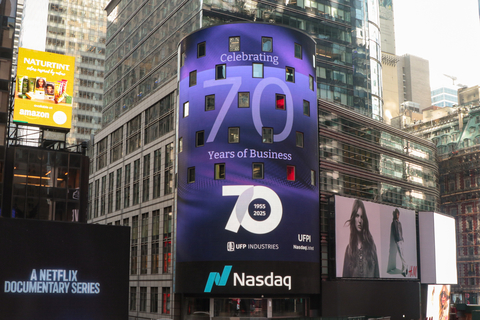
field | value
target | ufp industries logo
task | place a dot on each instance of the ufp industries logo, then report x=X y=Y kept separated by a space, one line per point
x=243 y=280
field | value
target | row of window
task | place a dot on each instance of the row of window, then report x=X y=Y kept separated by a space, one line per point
x=154 y=300
x=243 y=101
x=257 y=72
x=257 y=172
x=234 y=136
x=234 y=46
x=107 y=200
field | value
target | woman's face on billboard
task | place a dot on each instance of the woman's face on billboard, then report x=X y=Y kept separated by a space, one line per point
x=359 y=216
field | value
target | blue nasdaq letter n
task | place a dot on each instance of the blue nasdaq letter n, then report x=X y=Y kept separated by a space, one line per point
x=219 y=280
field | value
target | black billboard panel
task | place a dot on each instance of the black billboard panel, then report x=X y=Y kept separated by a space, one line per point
x=54 y=270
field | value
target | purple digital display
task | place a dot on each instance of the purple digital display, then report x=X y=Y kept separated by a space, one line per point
x=248 y=164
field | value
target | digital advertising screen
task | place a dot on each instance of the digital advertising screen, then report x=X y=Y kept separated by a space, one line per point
x=248 y=200
x=44 y=89
x=438 y=302
x=438 y=249
x=374 y=240
x=60 y=270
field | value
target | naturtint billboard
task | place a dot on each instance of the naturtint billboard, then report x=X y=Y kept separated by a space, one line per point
x=44 y=89
x=374 y=240
x=248 y=213
x=60 y=270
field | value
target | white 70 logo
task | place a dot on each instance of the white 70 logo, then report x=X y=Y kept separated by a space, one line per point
x=241 y=217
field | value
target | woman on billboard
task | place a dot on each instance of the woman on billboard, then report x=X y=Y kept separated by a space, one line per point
x=444 y=303
x=361 y=253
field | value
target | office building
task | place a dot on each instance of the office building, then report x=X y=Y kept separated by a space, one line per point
x=389 y=62
x=444 y=97
x=469 y=96
x=414 y=80
x=75 y=28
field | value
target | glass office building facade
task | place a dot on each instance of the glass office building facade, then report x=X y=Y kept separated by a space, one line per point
x=142 y=38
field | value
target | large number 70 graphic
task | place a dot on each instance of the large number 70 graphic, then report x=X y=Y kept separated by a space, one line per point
x=236 y=82
x=241 y=217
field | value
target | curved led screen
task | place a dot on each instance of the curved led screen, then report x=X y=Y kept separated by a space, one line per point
x=247 y=163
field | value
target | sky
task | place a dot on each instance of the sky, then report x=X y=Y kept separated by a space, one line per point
x=445 y=32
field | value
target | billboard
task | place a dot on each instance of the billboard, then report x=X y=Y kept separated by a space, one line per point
x=44 y=89
x=438 y=302
x=374 y=240
x=54 y=270
x=438 y=249
x=248 y=200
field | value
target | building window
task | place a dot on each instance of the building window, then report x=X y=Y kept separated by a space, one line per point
x=267 y=44
x=219 y=171
x=267 y=135
x=200 y=138
x=126 y=189
x=166 y=300
x=102 y=198
x=143 y=299
x=310 y=82
x=110 y=192
x=156 y=173
x=193 y=78
x=280 y=101
x=234 y=135
x=186 y=109
x=136 y=185
x=298 y=51
x=244 y=99
x=210 y=102
x=234 y=44
x=167 y=240
x=191 y=175
x=168 y=182
x=118 y=192
x=155 y=252
x=180 y=144
x=116 y=141
x=313 y=180
x=168 y=178
x=257 y=69
x=299 y=139
x=133 y=298
x=154 y=299
x=201 y=49
x=306 y=108
x=134 y=247
x=146 y=178
x=133 y=134
x=220 y=71
x=289 y=74
x=144 y=244
x=291 y=173
x=257 y=170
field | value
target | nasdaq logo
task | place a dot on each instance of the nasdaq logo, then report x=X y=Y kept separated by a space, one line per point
x=217 y=278
x=240 y=215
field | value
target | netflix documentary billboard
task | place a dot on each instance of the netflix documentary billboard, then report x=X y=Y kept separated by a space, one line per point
x=44 y=89
x=60 y=270
x=374 y=240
